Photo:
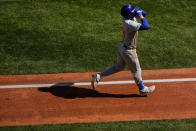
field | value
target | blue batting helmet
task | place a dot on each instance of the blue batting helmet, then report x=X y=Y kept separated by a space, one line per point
x=126 y=11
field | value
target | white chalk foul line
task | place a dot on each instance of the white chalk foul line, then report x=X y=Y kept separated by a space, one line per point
x=100 y=83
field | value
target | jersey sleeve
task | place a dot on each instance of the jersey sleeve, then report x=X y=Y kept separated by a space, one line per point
x=131 y=25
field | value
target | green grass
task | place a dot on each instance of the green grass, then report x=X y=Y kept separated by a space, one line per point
x=57 y=36
x=158 y=125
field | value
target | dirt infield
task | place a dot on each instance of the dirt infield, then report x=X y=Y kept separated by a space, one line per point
x=79 y=104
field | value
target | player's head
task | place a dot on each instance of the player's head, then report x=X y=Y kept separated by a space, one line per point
x=127 y=11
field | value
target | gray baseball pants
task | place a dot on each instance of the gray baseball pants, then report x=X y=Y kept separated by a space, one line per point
x=125 y=57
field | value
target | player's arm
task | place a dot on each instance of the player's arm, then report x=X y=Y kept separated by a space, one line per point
x=145 y=25
x=131 y=25
x=135 y=26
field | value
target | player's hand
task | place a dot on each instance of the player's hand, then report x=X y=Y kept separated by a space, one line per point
x=139 y=13
x=137 y=9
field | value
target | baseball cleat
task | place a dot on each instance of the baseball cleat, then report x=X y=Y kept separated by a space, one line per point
x=147 y=90
x=95 y=80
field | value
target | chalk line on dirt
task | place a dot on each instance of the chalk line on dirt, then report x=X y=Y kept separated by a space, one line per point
x=100 y=83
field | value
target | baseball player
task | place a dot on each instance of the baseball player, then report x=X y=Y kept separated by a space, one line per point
x=127 y=48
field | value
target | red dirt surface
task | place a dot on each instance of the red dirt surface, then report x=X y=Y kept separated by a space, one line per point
x=80 y=104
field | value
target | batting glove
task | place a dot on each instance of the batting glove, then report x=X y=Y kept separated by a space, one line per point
x=139 y=13
x=137 y=9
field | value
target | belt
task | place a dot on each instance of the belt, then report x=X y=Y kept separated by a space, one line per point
x=126 y=47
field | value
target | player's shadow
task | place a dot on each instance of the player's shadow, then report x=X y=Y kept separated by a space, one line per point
x=68 y=91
